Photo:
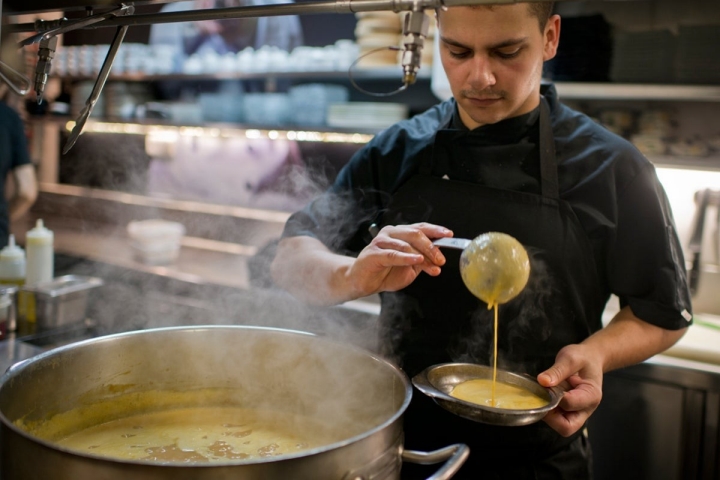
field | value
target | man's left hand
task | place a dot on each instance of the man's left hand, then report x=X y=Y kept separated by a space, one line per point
x=578 y=371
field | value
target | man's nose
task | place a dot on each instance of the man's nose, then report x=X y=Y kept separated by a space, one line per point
x=481 y=75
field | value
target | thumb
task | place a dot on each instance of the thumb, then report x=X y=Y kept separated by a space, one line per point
x=563 y=368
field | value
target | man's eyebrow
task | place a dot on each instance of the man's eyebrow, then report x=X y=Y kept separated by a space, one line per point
x=505 y=43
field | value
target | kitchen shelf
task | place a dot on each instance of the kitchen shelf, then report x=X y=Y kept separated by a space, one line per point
x=291 y=132
x=566 y=90
x=333 y=134
x=711 y=162
x=630 y=91
x=380 y=73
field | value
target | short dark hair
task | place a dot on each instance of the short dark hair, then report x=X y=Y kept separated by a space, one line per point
x=541 y=10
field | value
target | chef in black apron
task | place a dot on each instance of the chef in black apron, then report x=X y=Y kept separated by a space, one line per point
x=530 y=337
x=585 y=204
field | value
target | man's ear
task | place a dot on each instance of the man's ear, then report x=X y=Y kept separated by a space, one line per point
x=551 y=37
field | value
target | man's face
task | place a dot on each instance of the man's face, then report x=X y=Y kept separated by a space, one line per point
x=493 y=59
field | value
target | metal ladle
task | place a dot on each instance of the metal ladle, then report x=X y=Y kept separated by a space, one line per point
x=494 y=266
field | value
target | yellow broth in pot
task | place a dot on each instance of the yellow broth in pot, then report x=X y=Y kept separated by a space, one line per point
x=132 y=427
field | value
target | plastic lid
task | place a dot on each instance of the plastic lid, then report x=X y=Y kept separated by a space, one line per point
x=12 y=251
x=39 y=230
x=64 y=285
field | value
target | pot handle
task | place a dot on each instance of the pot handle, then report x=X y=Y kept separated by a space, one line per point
x=454 y=454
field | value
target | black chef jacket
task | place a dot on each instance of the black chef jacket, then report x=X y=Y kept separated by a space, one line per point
x=611 y=187
x=612 y=193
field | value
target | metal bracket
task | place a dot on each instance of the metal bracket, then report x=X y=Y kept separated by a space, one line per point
x=48 y=41
x=99 y=84
x=57 y=27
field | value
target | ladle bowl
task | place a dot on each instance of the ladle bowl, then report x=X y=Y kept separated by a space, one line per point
x=494 y=266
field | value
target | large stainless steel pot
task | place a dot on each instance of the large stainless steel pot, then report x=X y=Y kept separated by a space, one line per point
x=291 y=371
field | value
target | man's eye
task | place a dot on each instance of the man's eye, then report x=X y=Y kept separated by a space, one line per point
x=462 y=54
x=508 y=55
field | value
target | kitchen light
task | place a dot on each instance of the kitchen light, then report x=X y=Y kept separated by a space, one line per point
x=168 y=131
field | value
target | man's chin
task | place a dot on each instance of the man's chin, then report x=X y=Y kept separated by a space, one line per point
x=487 y=117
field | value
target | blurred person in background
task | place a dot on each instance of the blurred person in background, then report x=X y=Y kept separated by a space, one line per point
x=227 y=36
x=18 y=188
x=20 y=185
x=223 y=37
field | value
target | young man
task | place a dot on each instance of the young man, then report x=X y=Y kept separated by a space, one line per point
x=503 y=155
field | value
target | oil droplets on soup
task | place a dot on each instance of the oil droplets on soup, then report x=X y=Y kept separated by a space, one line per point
x=201 y=435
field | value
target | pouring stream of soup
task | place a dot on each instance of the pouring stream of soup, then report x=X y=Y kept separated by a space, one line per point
x=495 y=268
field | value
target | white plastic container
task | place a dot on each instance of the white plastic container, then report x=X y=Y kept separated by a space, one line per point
x=39 y=246
x=155 y=242
x=12 y=264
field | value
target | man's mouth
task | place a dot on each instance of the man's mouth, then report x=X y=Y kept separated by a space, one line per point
x=481 y=101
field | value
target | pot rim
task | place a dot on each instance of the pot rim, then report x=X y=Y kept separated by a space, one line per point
x=17 y=369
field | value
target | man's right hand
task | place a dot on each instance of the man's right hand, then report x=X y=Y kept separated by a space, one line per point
x=306 y=268
x=395 y=258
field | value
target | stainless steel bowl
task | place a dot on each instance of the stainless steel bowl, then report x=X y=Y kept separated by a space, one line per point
x=438 y=381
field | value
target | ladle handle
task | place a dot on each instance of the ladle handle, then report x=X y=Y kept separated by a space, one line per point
x=457 y=243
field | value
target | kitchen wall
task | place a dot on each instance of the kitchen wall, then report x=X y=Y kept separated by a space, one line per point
x=644 y=14
x=691 y=119
x=681 y=185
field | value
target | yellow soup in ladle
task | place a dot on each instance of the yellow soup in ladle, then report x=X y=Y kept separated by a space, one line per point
x=495 y=267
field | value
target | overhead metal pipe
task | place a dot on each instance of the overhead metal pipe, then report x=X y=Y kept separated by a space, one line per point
x=304 y=8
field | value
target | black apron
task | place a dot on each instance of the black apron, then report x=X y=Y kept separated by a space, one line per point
x=437 y=320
